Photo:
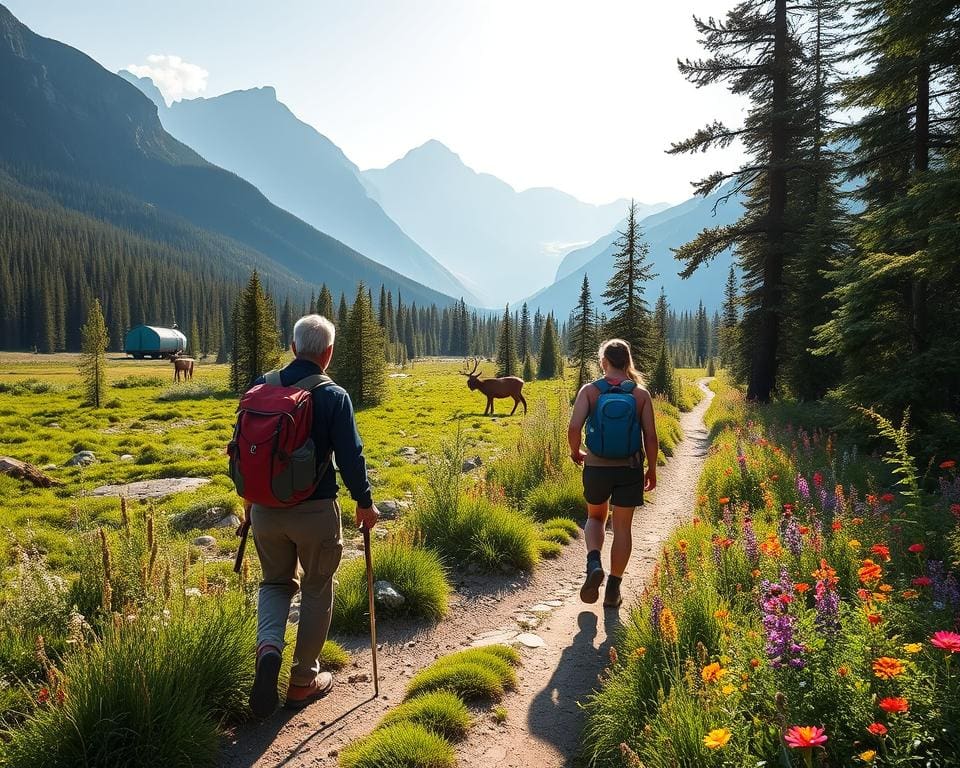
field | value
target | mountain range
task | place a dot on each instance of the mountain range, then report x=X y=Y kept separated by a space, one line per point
x=663 y=231
x=299 y=169
x=502 y=243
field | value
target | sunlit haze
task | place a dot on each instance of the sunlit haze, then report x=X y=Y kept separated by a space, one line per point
x=584 y=97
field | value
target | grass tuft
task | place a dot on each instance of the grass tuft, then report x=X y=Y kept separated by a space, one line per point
x=468 y=680
x=563 y=523
x=416 y=573
x=403 y=745
x=440 y=712
x=558 y=499
x=558 y=535
x=549 y=550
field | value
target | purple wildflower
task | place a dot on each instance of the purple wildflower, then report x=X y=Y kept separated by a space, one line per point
x=791 y=536
x=781 y=647
x=803 y=487
x=656 y=608
x=944 y=587
x=750 y=546
x=827 y=603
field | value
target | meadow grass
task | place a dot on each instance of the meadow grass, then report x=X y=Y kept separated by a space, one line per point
x=563 y=524
x=476 y=673
x=415 y=571
x=549 y=550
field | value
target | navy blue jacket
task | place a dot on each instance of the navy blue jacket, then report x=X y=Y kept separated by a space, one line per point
x=334 y=427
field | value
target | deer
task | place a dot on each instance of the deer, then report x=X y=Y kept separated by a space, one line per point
x=504 y=386
x=182 y=365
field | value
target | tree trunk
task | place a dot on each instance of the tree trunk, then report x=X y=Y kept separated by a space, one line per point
x=763 y=370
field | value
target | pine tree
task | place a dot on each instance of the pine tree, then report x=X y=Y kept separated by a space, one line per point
x=363 y=371
x=194 y=338
x=256 y=335
x=507 y=363
x=703 y=336
x=325 y=303
x=583 y=336
x=662 y=380
x=629 y=314
x=897 y=322
x=551 y=356
x=524 y=345
x=660 y=318
x=754 y=51
x=93 y=360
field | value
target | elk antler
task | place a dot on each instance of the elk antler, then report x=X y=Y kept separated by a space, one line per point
x=476 y=363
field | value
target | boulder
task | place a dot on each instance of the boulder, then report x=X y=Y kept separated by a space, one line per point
x=390 y=508
x=471 y=464
x=204 y=541
x=228 y=521
x=81 y=459
x=408 y=450
x=152 y=489
x=127 y=457
x=385 y=594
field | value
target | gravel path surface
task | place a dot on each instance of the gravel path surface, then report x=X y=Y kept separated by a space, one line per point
x=566 y=647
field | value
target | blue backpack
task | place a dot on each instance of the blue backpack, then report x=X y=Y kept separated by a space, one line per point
x=613 y=430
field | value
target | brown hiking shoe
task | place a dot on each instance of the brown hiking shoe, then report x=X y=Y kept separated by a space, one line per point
x=299 y=696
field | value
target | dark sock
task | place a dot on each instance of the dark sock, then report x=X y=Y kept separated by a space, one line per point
x=613 y=582
x=593 y=560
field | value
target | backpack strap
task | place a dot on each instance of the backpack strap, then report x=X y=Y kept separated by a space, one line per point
x=313 y=381
x=603 y=385
x=627 y=385
x=272 y=378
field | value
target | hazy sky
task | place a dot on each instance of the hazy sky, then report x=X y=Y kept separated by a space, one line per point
x=583 y=96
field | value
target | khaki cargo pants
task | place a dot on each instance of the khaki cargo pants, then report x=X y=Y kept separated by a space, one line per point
x=299 y=549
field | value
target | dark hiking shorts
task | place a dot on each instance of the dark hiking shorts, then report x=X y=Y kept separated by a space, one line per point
x=622 y=486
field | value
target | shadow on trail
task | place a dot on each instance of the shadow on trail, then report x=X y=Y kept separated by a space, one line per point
x=266 y=732
x=556 y=708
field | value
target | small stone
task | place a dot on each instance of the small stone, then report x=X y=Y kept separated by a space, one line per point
x=553 y=603
x=385 y=594
x=48 y=467
x=541 y=608
x=408 y=450
x=530 y=640
x=81 y=459
x=204 y=541
x=230 y=521
x=470 y=464
x=127 y=457
x=363 y=677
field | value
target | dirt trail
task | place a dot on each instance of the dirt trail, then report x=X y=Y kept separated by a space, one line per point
x=544 y=721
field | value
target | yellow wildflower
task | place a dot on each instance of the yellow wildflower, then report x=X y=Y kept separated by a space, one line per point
x=717 y=738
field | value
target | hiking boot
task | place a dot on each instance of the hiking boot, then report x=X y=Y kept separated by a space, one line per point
x=590 y=591
x=612 y=597
x=264 y=697
x=299 y=696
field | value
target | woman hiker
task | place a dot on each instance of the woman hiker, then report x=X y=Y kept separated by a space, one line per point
x=618 y=413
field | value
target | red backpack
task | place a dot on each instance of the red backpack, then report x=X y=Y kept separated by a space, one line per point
x=273 y=459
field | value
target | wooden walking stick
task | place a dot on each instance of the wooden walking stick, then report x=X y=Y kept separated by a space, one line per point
x=373 y=615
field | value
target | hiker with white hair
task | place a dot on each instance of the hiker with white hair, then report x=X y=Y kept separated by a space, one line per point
x=291 y=424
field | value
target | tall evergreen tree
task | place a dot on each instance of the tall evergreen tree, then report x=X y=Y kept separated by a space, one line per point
x=629 y=313
x=363 y=372
x=703 y=336
x=754 y=51
x=93 y=360
x=507 y=363
x=551 y=353
x=583 y=336
x=325 y=303
x=256 y=336
x=660 y=318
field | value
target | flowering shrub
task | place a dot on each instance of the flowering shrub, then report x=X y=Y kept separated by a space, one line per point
x=812 y=619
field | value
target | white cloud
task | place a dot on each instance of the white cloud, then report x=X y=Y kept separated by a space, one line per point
x=176 y=78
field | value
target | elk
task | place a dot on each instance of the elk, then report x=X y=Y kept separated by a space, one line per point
x=504 y=386
x=182 y=365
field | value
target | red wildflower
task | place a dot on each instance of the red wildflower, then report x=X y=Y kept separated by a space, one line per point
x=946 y=641
x=871 y=499
x=836 y=525
x=955 y=509
x=801 y=587
x=948 y=464
x=804 y=529
x=724 y=500
x=916 y=548
x=843 y=671
x=805 y=736
x=788 y=508
x=874 y=619
x=881 y=550
x=887 y=497
x=877 y=729
x=922 y=581
x=43 y=695
x=818 y=479
x=893 y=704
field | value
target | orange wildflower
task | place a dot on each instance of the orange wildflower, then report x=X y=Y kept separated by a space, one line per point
x=887 y=667
x=712 y=673
x=870 y=572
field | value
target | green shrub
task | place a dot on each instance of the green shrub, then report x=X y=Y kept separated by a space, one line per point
x=502 y=667
x=549 y=550
x=558 y=499
x=440 y=712
x=416 y=572
x=29 y=387
x=189 y=391
x=132 y=382
x=403 y=745
x=507 y=653
x=152 y=692
x=472 y=528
